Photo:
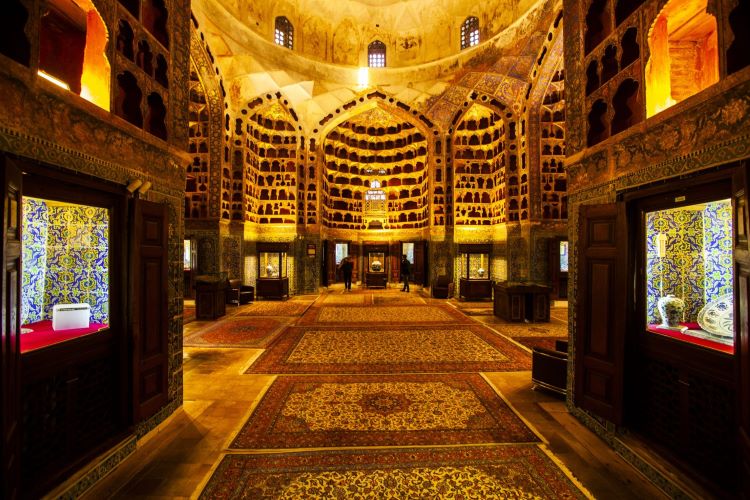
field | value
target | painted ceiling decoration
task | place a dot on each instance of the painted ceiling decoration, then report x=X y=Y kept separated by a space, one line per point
x=426 y=68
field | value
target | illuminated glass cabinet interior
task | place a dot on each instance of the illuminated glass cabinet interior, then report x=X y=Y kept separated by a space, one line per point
x=65 y=264
x=376 y=275
x=273 y=279
x=474 y=263
x=689 y=274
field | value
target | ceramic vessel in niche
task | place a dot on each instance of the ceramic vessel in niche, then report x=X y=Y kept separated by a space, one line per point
x=717 y=317
x=670 y=309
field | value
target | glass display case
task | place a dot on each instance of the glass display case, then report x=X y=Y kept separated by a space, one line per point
x=273 y=280
x=272 y=264
x=375 y=267
x=475 y=280
x=689 y=283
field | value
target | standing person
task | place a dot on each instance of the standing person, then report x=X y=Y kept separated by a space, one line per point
x=405 y=272
x=346 y=268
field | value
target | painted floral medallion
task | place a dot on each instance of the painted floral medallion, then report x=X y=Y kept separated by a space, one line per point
x=341 y=410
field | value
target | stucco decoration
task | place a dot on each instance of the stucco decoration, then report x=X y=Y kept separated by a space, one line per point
x=346 y=44
x=418 y=71
x=316 y=35
x=212 y=88
x=422 y=19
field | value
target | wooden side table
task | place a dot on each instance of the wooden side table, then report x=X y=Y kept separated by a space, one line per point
x=518 y=302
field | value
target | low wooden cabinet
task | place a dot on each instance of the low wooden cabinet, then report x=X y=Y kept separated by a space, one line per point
x=518 y=302
x=273 y=288
x=475 y=289
x=375 y=280
x=210 y=299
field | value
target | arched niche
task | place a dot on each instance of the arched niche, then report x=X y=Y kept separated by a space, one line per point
x=684 y=59
x=72 y=42
x=129 y=96
x=13 y=40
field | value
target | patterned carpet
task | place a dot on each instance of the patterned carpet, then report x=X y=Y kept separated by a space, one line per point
x=532 y=329
x=396 y=300
x=405 y=314
x=413 y=349
x=333 y=392
x=478 y=311
x=532 y=342
x=358 y=299
x=238 y=332
x=399 y=410
x=534 y=334
x=479 y=472
x=288 y=308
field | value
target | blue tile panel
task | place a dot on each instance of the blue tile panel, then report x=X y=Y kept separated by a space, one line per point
x=697 y=266
x=65 y=259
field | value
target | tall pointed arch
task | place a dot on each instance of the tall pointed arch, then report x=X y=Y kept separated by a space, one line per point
x=206 y=116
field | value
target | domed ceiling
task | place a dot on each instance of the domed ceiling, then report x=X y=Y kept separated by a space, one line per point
x=425 y=69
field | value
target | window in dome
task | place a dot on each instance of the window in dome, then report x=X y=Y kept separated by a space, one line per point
x=376 y=54
x=284 y=34
x=470 y=32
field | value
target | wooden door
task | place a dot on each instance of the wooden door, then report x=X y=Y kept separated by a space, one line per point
x=601 y=307
x=353 y=253
x=393 y=255
x=10 y=214
x=329 y=262
x=149 y=309
x=740 y=192
x=419 y=266
x=324 y=264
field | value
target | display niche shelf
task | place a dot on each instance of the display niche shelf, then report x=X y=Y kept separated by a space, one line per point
x=375 y=148
x=197 y=183
x=271 y=167
x=554 y=178
x=479 y=168
x=307 y=190
x=141 y=66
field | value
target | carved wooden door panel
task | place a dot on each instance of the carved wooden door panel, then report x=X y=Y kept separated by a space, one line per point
x=329 y=262
x=420 y=263
x=355 y=257
x=149 y=318
x=601 y=307
x=10 y=215
x=740 y=192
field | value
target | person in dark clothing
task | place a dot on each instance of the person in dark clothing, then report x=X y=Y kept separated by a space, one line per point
x=405 y=272
x=346 y=269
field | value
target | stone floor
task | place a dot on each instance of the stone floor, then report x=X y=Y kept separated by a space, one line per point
x=175 y=460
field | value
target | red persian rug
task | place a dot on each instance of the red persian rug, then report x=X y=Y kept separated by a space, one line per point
x=237 y=332
x=404 y=314
x=477 y=472
x=373 y=410
x=534 y=334
x=532 y=342
x=391 y=349
x=273 y=308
